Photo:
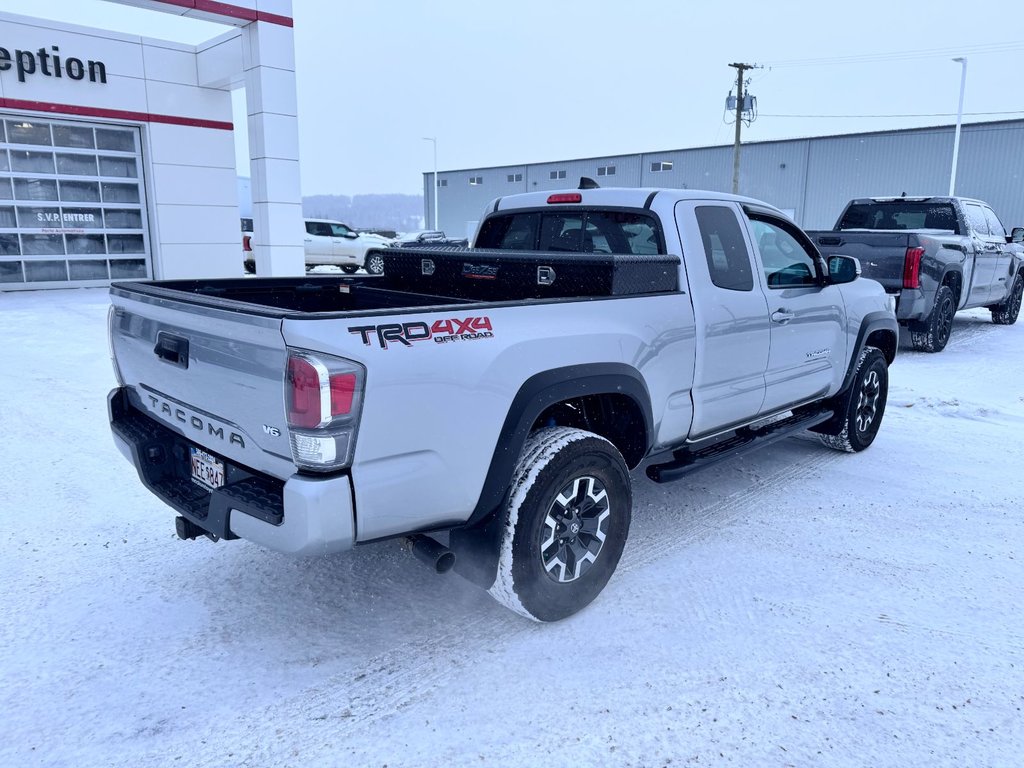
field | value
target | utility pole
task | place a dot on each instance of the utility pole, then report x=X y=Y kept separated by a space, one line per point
x=740 y=69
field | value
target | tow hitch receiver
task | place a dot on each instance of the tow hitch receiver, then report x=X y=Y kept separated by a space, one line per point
x=188 y=530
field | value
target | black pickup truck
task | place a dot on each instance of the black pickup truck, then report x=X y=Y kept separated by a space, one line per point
x=937 y=255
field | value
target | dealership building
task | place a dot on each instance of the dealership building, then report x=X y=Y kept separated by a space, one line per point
x=810 y=179
x=117 y=156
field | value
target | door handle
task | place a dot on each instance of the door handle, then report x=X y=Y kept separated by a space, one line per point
x=782 y=316
x=172 y=349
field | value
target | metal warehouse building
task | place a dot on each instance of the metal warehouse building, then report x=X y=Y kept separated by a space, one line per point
x=811 y=179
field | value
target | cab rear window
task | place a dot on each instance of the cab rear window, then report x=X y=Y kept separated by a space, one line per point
x=900 y=215
x=573 y=231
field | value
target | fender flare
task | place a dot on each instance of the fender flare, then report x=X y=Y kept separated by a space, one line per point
x=872 y=321
x=538 y=393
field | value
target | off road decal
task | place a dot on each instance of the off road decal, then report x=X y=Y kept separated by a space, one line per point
x=440 y=331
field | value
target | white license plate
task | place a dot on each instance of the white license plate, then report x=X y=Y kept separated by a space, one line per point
x=207 y=470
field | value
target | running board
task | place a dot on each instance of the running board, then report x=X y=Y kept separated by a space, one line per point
x=746 y=439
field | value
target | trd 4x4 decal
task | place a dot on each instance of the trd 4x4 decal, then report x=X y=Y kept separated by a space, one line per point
x=441 y=331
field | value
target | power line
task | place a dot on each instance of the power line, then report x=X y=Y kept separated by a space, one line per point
x=868 y=58
x=923 y=114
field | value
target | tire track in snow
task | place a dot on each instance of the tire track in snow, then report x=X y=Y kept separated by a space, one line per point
x=705 y=520
x=1014 y=643
x=408 y=672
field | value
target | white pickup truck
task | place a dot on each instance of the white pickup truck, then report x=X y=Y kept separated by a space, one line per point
x=498 y=397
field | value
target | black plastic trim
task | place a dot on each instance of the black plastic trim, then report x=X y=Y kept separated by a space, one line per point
x=650 y=200
x=873 y=321
x=160 y=457
x=538 y=393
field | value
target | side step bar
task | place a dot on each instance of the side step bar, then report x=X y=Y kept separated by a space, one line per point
x=746 y=439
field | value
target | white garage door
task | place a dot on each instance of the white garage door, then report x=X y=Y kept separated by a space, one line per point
x=72 y=204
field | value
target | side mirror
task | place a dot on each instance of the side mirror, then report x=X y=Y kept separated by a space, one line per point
x=843 y=269
x=1017 y=235
x=351 y=235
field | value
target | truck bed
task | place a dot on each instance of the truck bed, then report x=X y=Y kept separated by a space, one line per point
x=429 y=277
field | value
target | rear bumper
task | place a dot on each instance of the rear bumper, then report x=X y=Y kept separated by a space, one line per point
x=914 y=304
x=303 y=515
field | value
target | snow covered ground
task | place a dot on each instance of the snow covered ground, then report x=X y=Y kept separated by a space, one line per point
x=792 y=607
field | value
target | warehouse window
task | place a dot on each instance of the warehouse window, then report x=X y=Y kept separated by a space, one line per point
x=557 y=175
x=476 y=180
x=442 y=182
x=514 y=177
x=606 y=170
x=662 y=165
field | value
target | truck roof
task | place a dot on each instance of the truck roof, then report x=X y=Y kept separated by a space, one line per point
x=628 y=197
x=914 y=199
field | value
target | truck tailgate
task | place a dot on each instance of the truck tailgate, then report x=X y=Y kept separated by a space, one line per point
x=881 y=254
x=212 y=375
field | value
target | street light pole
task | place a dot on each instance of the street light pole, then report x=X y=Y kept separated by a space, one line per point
x=959 y=120
x=433 y=140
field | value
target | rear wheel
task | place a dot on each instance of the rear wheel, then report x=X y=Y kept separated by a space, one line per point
x=860 y=412
x=349 y=269
x=932 y=335
x=1007 y=312
x=566 y=522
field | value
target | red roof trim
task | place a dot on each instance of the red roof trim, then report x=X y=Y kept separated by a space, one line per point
x=231 y=11
x=114 y=114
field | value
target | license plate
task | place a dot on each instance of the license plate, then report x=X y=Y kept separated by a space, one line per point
x=207 y=470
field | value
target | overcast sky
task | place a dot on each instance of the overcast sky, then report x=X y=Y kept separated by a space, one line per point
x=533 y=80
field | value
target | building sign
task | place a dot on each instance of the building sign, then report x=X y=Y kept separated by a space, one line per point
x=50 y=64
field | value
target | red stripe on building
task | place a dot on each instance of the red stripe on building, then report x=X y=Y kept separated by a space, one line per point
x=112 y=114
x=230 y=11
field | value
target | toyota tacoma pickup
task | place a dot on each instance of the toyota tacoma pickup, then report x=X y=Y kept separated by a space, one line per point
x=496 y=398
x=937 y=255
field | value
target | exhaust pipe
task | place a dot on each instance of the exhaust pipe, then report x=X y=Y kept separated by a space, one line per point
x=432 y=553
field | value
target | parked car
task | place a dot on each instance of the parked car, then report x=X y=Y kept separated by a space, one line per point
x=333 y=243
x=524 y=384
x=248 y=261
x=431 y=237
x=937 y=255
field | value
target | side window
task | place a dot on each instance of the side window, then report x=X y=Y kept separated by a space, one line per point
x=728 y=260
x=338 y=230
x=786 y=261
x=976 y=218
x=993 y=223
x=310 y=227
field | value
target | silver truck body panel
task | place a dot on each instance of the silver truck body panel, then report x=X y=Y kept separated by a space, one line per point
x=233 y=384
x=437 y=408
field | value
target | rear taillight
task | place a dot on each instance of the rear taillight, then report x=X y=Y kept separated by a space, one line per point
x=912 y=268
x=246 y=243
x=565 y=197
x=323 y=396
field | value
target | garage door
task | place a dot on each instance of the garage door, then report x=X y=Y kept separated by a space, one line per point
x=72 y=204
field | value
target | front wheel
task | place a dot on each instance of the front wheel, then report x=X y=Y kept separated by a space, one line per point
x=349 y=269
x=566 y=522
x=375 y=264
x=860 y=412
x=1007 y=312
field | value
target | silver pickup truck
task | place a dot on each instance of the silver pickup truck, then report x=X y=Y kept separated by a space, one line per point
x=497 y=397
